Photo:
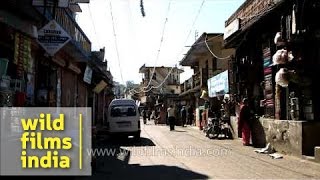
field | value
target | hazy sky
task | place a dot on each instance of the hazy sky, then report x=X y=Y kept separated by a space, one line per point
x=138 y=38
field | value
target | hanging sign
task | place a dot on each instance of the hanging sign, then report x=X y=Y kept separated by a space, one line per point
x=233 y=27
x=87 y=75
x=52 y=37
x=99 y=87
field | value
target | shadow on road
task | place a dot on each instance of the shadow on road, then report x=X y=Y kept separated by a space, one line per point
x=179 y=131
x=124 y=141
x=115 y=165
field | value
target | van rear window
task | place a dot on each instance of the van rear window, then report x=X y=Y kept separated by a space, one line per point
x=123 y=110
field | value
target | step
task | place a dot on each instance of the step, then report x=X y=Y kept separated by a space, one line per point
x=317 y=154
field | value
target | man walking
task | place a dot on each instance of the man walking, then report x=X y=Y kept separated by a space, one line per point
x=190 y=115
x=183 y=115
x=171 y=117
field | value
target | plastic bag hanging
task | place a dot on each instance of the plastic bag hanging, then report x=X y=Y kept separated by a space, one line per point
x=280 y=57
x=281 y=77
x=277 y=38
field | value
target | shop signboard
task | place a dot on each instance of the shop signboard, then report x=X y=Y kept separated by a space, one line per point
x=87 y=75
x=52 y=37
x=218 y=85
x=233 y=27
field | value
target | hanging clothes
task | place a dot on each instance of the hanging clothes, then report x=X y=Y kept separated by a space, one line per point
x=288 y=27
x=283 y=76
x=283 y=27
x=277 y=38
x=293 y=23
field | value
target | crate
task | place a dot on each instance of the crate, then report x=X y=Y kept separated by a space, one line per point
x=3 y=66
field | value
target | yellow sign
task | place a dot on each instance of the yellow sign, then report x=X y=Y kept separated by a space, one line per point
x=100 y=86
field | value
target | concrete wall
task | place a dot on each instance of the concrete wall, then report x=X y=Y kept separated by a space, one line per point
x=286 y=136
x=234 y=126
x=258 y=133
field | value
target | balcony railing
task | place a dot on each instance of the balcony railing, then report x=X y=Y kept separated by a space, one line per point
x=187 y=85
x=74 y=30
x=191 y=83
x=69 y=24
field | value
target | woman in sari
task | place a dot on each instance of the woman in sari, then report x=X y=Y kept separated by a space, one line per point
x=244 y=122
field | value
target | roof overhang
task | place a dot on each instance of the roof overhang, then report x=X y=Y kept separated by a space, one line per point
x=240 y=35
x=198 y=49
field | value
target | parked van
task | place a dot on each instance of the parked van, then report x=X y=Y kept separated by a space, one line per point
x=123 y=118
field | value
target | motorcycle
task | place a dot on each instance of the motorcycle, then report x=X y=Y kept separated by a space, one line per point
x=212 y=130
x=217 y=127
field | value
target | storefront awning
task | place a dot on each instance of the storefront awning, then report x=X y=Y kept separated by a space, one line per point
x=245 y=24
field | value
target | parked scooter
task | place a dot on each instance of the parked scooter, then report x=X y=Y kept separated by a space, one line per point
x=213 y=128
x=218 y=127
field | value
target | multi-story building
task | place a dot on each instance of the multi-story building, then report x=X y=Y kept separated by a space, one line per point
x=288 y=103
x=44 y=54
x=159 y=86
x=207 y=58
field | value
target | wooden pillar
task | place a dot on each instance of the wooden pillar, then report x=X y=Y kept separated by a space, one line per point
x=277 y=102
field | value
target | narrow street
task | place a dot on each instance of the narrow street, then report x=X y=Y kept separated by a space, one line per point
x=186 y=153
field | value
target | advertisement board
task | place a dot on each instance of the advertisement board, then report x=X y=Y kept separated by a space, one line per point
x=218 y=85
x=52 y=37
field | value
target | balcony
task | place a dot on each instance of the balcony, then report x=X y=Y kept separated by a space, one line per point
x=81 y=45
x=191 y=85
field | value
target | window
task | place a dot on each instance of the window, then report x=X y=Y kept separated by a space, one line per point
x=154 y=76
x=123 y=110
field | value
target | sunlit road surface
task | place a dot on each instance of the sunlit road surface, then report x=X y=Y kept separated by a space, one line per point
x=187 y=154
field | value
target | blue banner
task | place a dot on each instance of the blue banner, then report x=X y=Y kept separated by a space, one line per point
x=219 y=84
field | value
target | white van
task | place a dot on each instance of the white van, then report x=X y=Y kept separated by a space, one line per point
x=123 y=118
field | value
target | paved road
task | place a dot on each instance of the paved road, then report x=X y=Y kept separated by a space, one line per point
x=187 y=154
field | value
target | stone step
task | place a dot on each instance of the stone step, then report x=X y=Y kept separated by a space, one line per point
x=317 y=154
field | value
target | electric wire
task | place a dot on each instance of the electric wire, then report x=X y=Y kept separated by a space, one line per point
x=193 y=24
x=214 y=55
x=93 y=24
x=161 y=40
x=205 y=41
x=115 y=41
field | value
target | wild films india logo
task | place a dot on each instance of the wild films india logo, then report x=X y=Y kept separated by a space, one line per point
x=52 y=145
x=51 y=141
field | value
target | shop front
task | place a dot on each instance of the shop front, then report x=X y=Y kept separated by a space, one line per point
x=17 y=52
x=276 y=68
x=219 y=98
